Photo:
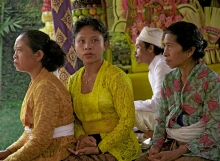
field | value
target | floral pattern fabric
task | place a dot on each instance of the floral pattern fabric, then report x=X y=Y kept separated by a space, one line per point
x=108 y=109
x=46 y=106
x=198 y=99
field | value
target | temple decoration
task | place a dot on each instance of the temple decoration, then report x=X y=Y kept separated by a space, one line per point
x=62 y=20
x=94 y=8
x=151 y=13
x=162 y=13
x=47 y=18
x=207 y=20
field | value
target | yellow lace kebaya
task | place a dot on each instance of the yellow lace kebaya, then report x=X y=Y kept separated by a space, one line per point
x=108 y=110
x=46 y=106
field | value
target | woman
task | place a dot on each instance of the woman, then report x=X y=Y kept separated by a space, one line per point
x=46 y=111
x=189 y=110
x=103 y=100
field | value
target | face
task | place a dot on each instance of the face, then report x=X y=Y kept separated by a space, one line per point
x=143 y=55
x=175 y=56
x=89 y=45
x=24 y=58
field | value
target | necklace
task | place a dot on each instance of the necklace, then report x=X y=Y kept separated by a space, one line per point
x=90 y=78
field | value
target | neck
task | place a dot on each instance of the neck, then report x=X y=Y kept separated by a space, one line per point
x=186 y=69
x=91 y=69
x=33 y=74
x=150 y=60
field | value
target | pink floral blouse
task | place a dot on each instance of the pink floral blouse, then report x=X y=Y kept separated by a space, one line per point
x=198 y=99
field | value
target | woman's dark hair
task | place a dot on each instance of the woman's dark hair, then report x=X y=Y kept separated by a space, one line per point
x=157 y=50
x=54 y=57
x=94 y=23
x=188 y=35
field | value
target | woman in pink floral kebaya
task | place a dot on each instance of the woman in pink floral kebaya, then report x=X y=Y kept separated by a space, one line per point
x=188 y=125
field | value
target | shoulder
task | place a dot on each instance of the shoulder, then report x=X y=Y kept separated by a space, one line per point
x=51 y=86
x=112 y=70
x=53 y=81
x=111 y=74
x=76 y=75
x=172 y=74
x=207 y=73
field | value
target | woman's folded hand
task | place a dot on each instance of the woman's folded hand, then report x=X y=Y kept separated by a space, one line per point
x=85 y=151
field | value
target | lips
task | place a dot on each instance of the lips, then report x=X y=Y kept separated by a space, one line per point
x=15 y=62
x=88 y=53
x=167 y=61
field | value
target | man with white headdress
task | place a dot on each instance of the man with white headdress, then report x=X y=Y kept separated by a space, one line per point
x=149 y=50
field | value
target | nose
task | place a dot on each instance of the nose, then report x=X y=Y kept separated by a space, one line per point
x=88 y=46
x=135 y=52
x=14 y=56
x=165 y=52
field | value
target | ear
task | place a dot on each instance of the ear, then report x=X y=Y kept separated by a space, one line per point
x=190 y=51
x=39 y=55
x=151 y=47
x=106 y=45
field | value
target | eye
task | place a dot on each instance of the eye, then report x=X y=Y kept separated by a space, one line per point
x=81 y=41
x=17 y=49
x=94 y=40
x=167 y=45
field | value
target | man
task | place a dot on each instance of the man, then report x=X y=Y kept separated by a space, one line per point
x=149 y=50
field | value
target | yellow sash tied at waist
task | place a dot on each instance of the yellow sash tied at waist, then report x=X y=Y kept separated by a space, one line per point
x=100 y=126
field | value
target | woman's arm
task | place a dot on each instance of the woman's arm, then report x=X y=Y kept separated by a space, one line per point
x=4 y=154
x=207 y=144
x=120 y=87
x=18 y=144
x=168 y=155
x=71 y=87
x=78 y=129
x=45 y=113
x=160 y=129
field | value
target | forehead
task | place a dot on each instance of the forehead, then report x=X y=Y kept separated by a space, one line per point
x=88 y=31
x=169 y=38
x=139 y=42
x=20 y=41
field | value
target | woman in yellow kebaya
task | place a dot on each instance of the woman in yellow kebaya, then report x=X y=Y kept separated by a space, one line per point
x=102 y=99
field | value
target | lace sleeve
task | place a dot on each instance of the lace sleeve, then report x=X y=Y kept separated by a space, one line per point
x=18 y=144
x=45 y=113
x=120 y=88
x=78 y=128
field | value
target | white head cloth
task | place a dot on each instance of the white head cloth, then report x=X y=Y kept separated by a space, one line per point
x=152 y=36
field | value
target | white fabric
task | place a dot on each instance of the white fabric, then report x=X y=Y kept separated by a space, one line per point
x=187 y=133
x=152 y=36
x=145 y=121
x=66 y=130
x=157 y=69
